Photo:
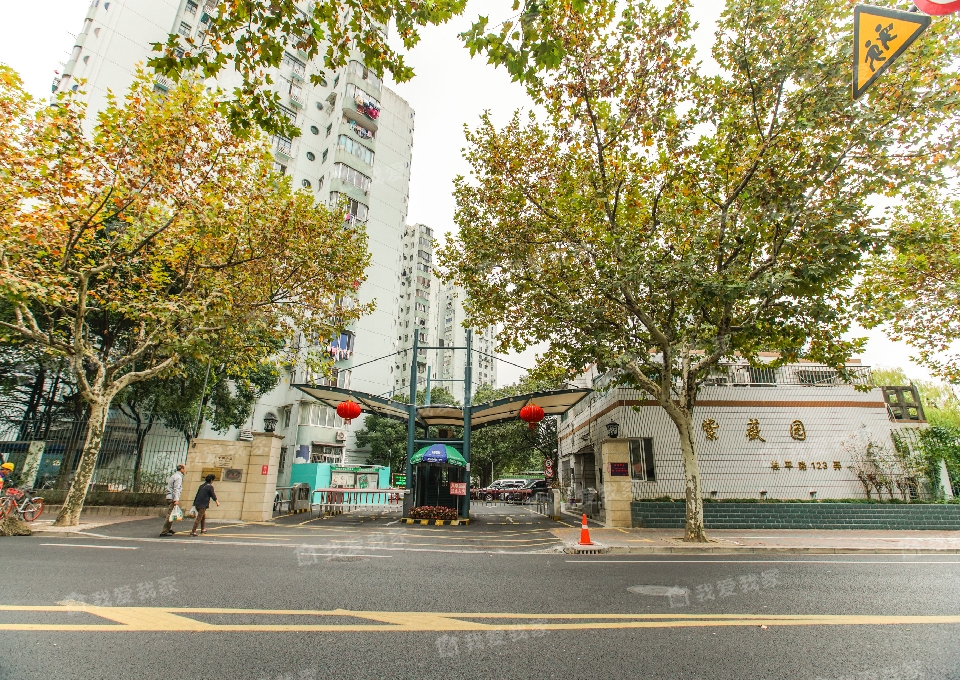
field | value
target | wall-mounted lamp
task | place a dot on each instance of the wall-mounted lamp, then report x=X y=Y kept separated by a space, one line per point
x=613 y=429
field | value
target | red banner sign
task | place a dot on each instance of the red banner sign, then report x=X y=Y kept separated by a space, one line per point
x=458 y=488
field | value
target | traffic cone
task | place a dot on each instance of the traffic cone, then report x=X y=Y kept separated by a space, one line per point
x=584 y=533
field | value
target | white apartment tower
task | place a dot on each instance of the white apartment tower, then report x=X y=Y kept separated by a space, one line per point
x=355 y=145
x=435 y=311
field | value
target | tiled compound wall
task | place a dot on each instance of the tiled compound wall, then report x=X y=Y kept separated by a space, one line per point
x=733 y=465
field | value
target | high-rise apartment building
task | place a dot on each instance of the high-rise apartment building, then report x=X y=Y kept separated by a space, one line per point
x=355 y=146
x=435 y=311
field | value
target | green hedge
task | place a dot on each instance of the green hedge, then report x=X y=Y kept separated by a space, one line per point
x=124 y=499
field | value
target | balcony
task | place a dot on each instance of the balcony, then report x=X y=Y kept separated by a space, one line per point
x=284 y=147
x=813 y=375
x=298 y=99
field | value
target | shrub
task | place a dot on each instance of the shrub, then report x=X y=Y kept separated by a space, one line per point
x=433 y=512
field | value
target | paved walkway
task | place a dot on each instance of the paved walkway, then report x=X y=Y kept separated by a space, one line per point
x=747 y=541
x=510 y=528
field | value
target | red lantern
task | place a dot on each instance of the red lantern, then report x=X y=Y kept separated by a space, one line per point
x=531 y=414
x=348 y=410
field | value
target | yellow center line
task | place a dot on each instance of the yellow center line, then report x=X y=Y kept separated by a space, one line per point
x=177 y=619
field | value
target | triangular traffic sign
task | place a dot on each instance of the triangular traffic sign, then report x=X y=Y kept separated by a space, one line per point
x=880 y=36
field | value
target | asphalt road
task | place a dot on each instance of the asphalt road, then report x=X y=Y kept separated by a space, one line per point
x=404 y=602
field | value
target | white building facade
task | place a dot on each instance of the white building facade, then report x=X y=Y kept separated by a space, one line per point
x=355 y=147
x=434 y=309
x=793 y=432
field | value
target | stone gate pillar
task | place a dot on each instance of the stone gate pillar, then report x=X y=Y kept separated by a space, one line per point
x=617 y=487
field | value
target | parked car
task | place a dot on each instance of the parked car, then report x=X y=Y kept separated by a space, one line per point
x=529 y=490
x=497 y=489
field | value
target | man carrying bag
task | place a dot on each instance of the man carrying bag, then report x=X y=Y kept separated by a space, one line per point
x=174 y=488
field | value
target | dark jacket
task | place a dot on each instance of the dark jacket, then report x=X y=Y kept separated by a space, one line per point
x=204 y=495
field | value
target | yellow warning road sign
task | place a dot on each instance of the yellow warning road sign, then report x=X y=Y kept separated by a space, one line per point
x=880 y=36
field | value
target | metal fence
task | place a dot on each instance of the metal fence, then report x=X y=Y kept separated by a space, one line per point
x=129 y=461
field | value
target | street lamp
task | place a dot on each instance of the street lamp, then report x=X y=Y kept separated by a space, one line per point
x=269 y=422
x=613 y=429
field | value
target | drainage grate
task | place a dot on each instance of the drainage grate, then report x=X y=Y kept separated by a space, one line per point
x=585 y=549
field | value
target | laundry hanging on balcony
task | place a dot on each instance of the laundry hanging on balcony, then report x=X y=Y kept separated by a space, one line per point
x=361 y=132
x=367 y=108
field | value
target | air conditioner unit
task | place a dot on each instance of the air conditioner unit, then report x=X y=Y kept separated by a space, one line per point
x=246 y=435
x=341 y=436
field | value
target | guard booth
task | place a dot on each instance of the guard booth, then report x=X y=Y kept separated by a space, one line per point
x=434 y=469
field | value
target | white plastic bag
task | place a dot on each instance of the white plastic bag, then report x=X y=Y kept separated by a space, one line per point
x=176 y=514
x=192 y=512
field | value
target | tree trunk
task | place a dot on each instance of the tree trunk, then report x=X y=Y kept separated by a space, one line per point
x=142 y=433
x=694 y=531
x=70 y=512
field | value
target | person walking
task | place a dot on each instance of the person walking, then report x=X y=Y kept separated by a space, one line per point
x=174 y=489
x=201 y=502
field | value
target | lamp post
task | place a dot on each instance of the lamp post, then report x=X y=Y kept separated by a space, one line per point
x=269 y=422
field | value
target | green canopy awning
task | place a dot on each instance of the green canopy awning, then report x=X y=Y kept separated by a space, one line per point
x=440 y=454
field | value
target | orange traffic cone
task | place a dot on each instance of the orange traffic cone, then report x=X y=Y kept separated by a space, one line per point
x=584 y=533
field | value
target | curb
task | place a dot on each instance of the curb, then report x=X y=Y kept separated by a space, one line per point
x=436 y=522
x=571 y=548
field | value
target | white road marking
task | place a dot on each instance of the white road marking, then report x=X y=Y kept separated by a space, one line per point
x=82 y=545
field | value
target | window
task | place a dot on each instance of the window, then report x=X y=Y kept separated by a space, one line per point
x=355 y=148
x=358 y=69
x=763 y=376
x=311 y=156
x=641 y=460
x=286 y=417
x=298 y=66
x=179 y=52
x=184 y=29
x=288 y=112
x=319 y=415
x=320 y=184
x=354 y=207
x=284 y=145
x=314 y=129
x=191 y=7
x=349 y=175
x=306 y=184
x=329 y=128
x=283 y=459
x=354 y=92
x=336 y=80
x=817 y=376
x=279 y=167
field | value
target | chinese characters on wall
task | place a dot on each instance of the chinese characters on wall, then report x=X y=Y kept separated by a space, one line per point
x=710 y=428
x=803 y=465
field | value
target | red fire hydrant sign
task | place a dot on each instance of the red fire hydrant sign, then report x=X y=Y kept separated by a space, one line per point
x=458 y=488
x=265 y=470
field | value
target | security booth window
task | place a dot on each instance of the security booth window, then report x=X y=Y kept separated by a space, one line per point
x=641 y=460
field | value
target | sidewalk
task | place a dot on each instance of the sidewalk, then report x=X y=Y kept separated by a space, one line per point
x=44 y=524
x=767 y=541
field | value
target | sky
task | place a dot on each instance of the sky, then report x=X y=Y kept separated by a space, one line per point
x=450 y=90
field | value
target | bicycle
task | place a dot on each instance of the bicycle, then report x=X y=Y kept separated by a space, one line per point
x=22 y=503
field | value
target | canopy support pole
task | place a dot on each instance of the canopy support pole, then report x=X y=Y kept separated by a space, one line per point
x=408 y=500
x=467 y=408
